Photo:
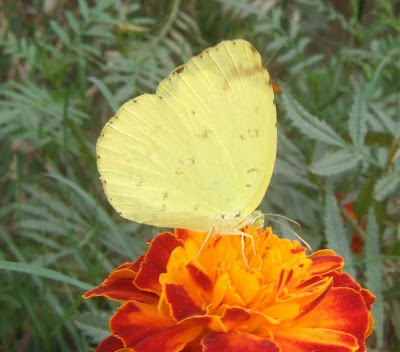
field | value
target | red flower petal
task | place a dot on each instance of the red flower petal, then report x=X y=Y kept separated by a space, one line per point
x=155 y=262
x=120 y=287
x=234 y=342
x=110 y=344
x=134 y=322
x=234 y=317
x=200 y=278
x=338 y=311
x=325 y=264
x=345 y=280
x=122 y=290
x=136 y=265
x=181 y=304
x=369 y=298
x=315 y=340
x=173 y=339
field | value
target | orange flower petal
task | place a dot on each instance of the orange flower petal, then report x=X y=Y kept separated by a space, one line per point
x=110 y=344
x=155 y=262
x=182 y=306
x=234 y=342
x=316 y=340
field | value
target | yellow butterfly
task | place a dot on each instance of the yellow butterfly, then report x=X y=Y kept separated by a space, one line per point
x=199 y=154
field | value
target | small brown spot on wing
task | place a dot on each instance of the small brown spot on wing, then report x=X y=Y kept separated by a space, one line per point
x=140 y=182
x=178 y=70
x=188 y=162
x=249 y=71
x=248 y=185
x=165 y=195
x=163 y=208
x=205 y=133
x=251 y=133
x=196 y=207
x=253 y=169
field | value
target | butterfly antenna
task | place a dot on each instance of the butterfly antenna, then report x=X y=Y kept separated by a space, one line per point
x=301 y=239
x=284 y=217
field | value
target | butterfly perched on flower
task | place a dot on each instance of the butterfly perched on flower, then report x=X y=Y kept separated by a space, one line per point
x=200 y=152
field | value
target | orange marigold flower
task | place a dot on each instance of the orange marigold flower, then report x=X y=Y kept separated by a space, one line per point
x=177 y=299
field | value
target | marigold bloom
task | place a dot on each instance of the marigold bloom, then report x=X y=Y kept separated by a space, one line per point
x=176 y=299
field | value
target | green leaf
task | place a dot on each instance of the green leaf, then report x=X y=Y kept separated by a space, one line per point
x=335 y=162
x=335 y=234
x=83 y=8
x=73 y=21
x=106 y=93
x=310 y=125
x=358 y=119
x=62 y=34
x=374 y=272
x=385 y=185
x=388 y=122
x=43 y=272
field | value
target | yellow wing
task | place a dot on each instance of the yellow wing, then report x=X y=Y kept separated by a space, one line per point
x=200 y=150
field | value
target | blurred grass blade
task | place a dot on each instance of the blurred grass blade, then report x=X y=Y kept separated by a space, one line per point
x=374 y=274
x=335 y=234
x=94 y=325
x=43 y=272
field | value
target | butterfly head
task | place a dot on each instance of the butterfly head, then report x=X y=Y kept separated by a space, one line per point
x=232 y=224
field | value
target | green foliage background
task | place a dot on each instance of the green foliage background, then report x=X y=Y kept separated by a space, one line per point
x=66 y=66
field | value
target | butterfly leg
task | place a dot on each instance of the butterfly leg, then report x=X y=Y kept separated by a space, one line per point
x=204 y=243
x=244 y=235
